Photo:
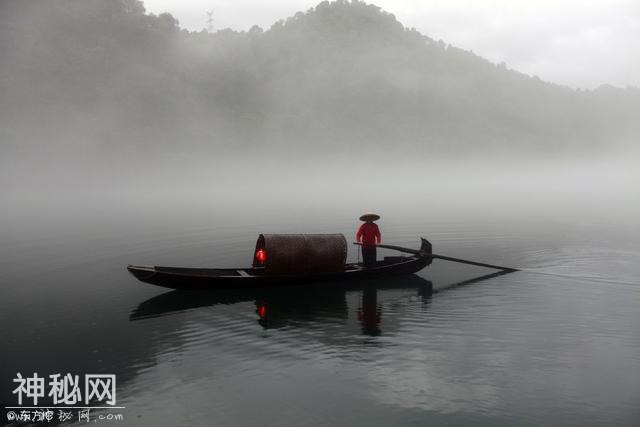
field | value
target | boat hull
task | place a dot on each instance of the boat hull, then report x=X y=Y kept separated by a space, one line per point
x=199 y=279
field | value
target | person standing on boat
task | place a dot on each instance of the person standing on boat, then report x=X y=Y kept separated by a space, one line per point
x=369 y=235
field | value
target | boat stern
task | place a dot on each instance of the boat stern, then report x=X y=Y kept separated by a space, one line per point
x=426 y=249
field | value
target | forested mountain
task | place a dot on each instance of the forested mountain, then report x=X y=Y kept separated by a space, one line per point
x=339 y=77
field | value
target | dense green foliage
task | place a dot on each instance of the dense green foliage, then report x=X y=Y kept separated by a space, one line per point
x=338 y=77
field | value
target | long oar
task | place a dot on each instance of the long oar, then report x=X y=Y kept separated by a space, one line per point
x=448 y=258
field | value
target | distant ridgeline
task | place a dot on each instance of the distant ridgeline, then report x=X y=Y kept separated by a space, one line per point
x=344 y=74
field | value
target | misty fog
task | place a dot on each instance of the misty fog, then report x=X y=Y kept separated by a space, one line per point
x=339 y=108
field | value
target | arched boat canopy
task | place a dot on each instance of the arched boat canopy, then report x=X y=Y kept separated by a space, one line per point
x=300 y=253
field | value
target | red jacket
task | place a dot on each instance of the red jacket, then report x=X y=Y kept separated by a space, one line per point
x=369 y=234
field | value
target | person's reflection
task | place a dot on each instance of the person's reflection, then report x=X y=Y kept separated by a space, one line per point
x=369 y=313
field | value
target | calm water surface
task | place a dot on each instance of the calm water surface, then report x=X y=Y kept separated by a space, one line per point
x=555 y=344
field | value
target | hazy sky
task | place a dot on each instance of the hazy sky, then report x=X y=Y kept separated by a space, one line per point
x=580 y=43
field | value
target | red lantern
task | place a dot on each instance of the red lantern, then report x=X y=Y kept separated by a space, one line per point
x=261 y=256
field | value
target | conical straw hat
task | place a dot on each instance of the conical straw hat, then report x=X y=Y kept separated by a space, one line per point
x=369 y=216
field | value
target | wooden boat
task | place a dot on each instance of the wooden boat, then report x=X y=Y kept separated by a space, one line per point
x=291 y=260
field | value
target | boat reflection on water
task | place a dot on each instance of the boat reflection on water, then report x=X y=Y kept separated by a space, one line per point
x=331 y=302
x=277 y=307
x=280 y=307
